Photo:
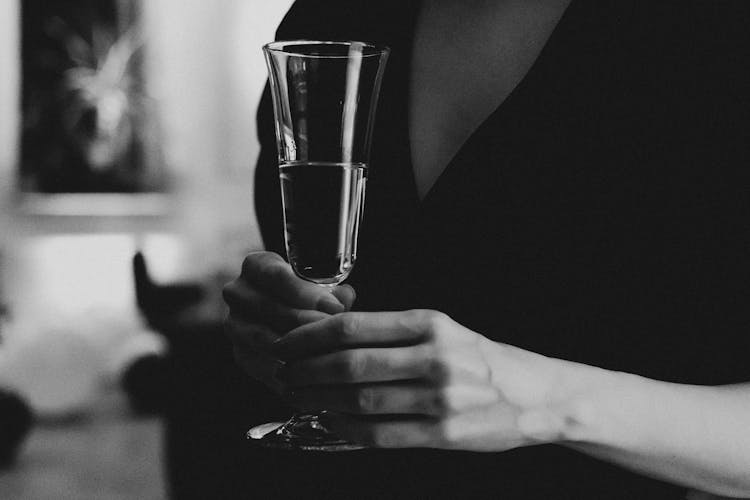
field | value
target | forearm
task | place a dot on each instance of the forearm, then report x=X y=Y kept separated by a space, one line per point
x=694 y=436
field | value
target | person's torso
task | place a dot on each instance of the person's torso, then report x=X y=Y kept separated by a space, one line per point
x=600 y=214
x=466 y=60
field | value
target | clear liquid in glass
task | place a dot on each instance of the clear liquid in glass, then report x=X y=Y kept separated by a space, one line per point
x=323 y=204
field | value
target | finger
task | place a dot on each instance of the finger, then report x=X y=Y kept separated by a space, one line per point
x=353 y=329
x=392 y=398
x=271 y=273
x=385 y=433
x=345 y=294
x=369 y=399
x=259 y=307
x=359 y=366
x=492 y=428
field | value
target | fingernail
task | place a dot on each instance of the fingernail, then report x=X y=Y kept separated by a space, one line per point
x=328 y=304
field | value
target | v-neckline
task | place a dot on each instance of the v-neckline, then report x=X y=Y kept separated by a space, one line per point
x=450 y=165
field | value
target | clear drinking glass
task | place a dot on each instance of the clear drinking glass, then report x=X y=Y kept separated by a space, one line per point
x=324 y=99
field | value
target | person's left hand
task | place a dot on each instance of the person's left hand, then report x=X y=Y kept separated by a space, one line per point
x=414 y=379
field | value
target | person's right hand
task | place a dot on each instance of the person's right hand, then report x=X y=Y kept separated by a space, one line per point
x=268 y=300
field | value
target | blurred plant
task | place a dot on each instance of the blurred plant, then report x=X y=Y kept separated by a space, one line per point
x=88 y=122
x=101 y=101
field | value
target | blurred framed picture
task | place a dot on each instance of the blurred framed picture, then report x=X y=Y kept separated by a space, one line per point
x=88 y=125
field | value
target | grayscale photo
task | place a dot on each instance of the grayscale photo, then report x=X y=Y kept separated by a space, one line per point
x=415 y=249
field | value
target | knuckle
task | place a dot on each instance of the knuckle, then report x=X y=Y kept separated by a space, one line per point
x=433 y=364
x=348 y=326
x=440 y=402
x=414 y=316
x=366 y=401
x=435 y=321
x=352 y=367
x=449 y=434
x=429 y=322
x=412 y=321
x=437 y=369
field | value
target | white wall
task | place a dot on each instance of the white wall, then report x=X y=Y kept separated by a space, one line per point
x=9 y=102
x=207 y=72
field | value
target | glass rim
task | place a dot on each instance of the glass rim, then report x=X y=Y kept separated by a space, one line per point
x=281 y=46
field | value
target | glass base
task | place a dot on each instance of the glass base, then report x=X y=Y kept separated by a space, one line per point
x=301 y=432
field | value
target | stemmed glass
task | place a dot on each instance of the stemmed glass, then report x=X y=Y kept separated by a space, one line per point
x=324 y=99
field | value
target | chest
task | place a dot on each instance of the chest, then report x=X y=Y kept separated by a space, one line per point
x=466 y=60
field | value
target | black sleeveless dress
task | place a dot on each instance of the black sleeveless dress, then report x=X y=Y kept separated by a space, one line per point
x=601 y=214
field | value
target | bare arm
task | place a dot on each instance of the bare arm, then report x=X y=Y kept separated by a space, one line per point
x=487 y=396
x=480 y=395
x=696 y=436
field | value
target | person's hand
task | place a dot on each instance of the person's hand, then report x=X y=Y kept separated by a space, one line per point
x=417 y=379
x=265 y=302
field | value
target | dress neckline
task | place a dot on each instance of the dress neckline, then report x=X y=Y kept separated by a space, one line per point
x=553 y=40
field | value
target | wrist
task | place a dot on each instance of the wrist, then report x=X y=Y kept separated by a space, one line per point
x=559 y=401
x=589 y=406
x=541 y=390
x=566 y=412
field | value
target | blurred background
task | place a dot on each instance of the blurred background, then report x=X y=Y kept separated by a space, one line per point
x=127 y=145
